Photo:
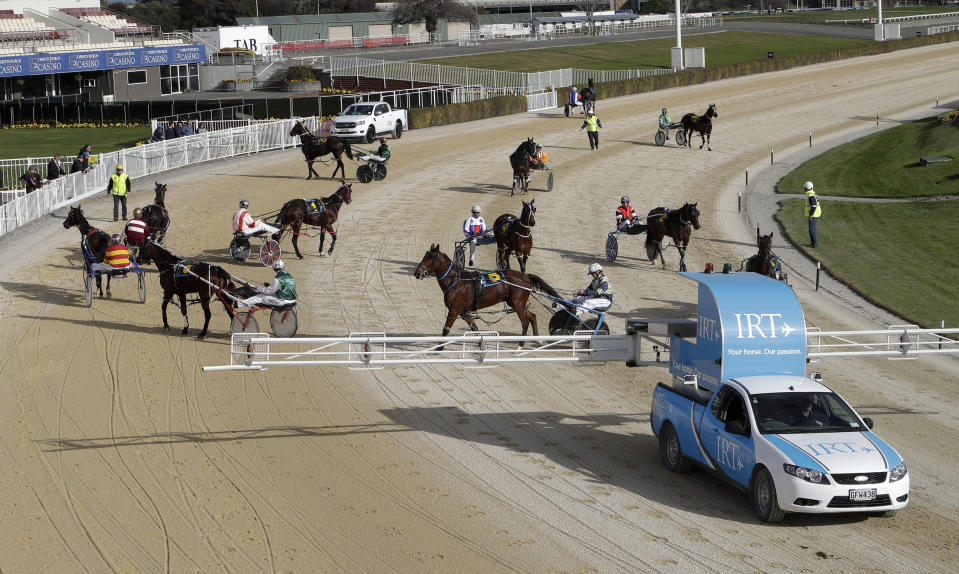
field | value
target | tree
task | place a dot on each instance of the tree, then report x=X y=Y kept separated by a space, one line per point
x=430 y=11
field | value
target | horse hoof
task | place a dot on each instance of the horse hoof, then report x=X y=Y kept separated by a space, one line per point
x=330 y=252
x=201 y=335
x=298 y=256
x=166 y=327
x=185 y=331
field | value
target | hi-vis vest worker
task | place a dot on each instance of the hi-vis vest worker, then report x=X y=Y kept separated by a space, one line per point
x=813 y=213
x=119 y=184
x=592 y=123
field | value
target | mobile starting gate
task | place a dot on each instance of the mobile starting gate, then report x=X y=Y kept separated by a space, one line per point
x=732 y=308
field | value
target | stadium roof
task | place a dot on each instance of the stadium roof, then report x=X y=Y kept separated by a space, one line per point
x=315 y=19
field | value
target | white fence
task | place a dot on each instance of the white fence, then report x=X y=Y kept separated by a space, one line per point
x=941 y=29
x=148 y=160
x=541 y=101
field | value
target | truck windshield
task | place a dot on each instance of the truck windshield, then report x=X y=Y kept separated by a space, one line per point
x=356 y=110
x=783 y=413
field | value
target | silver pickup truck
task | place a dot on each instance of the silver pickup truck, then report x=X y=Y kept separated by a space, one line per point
x=365 y=121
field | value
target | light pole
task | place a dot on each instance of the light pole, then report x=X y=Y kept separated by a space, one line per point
x=679 y=37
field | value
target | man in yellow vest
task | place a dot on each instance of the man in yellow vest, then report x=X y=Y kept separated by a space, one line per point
x=119 y=184
x=813 y=213
x=592 y=125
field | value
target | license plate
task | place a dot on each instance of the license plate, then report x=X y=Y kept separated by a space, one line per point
x=861 y=494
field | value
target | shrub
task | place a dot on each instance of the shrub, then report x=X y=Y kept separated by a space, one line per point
x=300 y=74
x=465 y=112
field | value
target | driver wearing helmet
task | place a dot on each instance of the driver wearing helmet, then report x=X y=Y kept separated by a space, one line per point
x=245 y=224
x=574 y=98
x=665 y=122
x=625 y=216
x=136 y=230
x=474 y=228
x=598 y=295
x=117 y=256
x=539 y=158
x=282 y=291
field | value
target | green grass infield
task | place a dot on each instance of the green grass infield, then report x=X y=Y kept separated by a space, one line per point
x=34 y=142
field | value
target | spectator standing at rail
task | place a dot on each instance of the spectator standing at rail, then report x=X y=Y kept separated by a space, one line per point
x=55 y=168
x=82 y=163
x=201 y=129
x=31 y=179
x=188 y=128
x=158 y=133
x=813 y=213
x=170 y=131
x=119 y=185
x=178 y=130
x=592 y=126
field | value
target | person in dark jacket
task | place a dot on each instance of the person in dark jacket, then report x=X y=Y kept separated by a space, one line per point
x=31 y=179
x=178 y=130
x=169 y=133
x=158 y=133
x=82 y=163
x=55 y=168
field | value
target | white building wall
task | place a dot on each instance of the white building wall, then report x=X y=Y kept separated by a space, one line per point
x=43 y=6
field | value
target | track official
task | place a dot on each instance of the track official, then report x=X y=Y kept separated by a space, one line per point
x=592 y=125
x=813 y=213
x=119 y=185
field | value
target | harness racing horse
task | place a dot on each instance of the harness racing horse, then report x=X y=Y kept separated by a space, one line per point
x=519 y=161
x=296 y=213
x=588 y=97
x=515 y=235
x=156 y=216
x=96 y=242
x=764 y=262
x=465 y=291
x=677 y=225
x=313 y=148
x=702 y=124
x=176 y=282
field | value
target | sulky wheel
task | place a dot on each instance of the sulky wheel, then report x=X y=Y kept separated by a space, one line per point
x=269 y=252
x=566 y=110
x=563 y=322
x=612 y=247
x=680 y=138
x=240 y=249
x=141 y=287
x=283 y=323
x=244 y=322
x=590 y=325
x=364 y=173
x=459 y=255
x=87 y=288
x=660 y=138
x=379 y=172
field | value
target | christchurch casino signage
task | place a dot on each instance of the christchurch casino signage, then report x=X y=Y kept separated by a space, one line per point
x=64 y=62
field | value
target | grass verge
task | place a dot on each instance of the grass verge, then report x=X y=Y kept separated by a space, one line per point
x=32 y=142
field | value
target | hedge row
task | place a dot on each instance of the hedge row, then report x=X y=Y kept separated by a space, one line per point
x=455 y=113
x=465 y=112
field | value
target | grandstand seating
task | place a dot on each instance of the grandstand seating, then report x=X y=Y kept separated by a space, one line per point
x=109 y=20
x=16 y=27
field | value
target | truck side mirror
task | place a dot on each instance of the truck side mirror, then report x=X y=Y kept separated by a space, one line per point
x=690 y=380
x=868 y=422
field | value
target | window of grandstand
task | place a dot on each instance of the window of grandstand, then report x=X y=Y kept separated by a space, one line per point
x=179 y=78
x=137 y=77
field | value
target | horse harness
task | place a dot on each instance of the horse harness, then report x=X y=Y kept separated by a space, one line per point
x=482 y=280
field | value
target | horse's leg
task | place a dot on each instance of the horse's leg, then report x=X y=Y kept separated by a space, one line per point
x=332 y=241
x=186 y=320
x=311 y=171
x=99 y=286
x=469 y=321
x=522 y=261
x=205 y=303
x=707 y=141
x=108 y=286
x=682 y=257
x=339 y=168
x=166 y=301
x=322 y=239
x=296 y=237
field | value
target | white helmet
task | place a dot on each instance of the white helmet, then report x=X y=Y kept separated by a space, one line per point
x=476 y=209
x=278 y=265
x=575 y=89
x=807 y=186
x=595 y=268
x=244 y=204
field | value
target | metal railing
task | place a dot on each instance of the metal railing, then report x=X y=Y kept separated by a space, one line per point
x=300 y=48
x=207 y=116
x=941 y=29
x=147 y=160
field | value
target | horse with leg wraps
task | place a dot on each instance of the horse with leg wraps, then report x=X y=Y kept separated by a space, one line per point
x=702 y=124
x=515 y=235
x=313 y=149
x=677 y=225
x=296 y=213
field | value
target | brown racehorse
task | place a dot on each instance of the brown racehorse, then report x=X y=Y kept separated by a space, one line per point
x=313 y=148
x=93 y=241
x=463 y=291
x=764 y=262
x=156 y=216
x=677 y=225
x=296 y=213
x=515 y=235
x=519 y=161
x=702 y=124
x=175 y=282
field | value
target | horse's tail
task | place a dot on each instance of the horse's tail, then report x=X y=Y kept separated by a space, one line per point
x=279 y=216
x=538 y=284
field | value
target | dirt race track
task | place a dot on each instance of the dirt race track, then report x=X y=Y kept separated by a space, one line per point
x=118 y=454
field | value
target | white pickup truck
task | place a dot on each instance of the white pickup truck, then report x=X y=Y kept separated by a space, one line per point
x=366 y=121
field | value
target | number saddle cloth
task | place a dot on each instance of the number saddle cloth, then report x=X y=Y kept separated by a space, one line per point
x=314 y=206
x=484 y=280
x=504 y=226
x=183 y=269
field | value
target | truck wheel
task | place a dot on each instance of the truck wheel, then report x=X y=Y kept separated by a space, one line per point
x=398 y=130
x=370 y=135
x=670 y=451
x=764 y=497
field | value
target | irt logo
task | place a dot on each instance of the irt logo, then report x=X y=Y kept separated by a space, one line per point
x=762 y=325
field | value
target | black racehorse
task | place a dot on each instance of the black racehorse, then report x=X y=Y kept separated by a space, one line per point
x=519 y=160
x=676 y=224
x=176 y=281
x=93 y=241
x=156 y=215
x=515 y=234
x=297 y=212
x=702 y=124
x=588 y=97
x=764 y=262
x=313 y=148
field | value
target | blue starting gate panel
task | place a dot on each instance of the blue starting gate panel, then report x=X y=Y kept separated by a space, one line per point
x=747 y=324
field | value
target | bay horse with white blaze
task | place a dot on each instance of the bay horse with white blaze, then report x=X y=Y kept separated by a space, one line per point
x=313 y=148
x=92 y=240
x=520 y=162
x=515 y=234
x=298 y=212
x=174 y=281
x=702 y=124
x=465 y=291
x=676 y=224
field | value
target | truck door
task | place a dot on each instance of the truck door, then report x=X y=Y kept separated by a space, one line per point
x=381 y=115
x=727 y=436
